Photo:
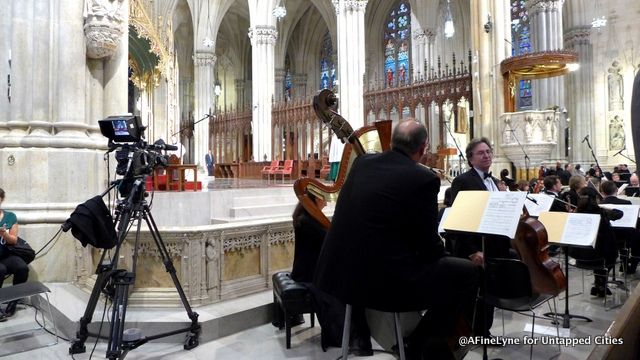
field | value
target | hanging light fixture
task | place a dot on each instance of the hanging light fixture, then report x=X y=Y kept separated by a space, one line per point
x=598 y=21
x=279 y=11
x=208 y=41
x=449 y=30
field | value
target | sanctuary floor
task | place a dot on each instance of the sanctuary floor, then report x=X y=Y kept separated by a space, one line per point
x=267 y=342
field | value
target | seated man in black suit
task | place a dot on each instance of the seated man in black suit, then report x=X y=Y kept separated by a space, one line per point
x=480 y=157
x=626 y=237
x=552 y=187
x=383 y=250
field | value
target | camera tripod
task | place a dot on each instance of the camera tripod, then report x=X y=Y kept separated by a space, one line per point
x=114 y=282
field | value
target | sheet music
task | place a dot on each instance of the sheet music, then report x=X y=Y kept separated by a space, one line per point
x=621 y=188
x=444 y=217
x=544 y=204
x=581 y=230
x=502 y=214
x=629 y=218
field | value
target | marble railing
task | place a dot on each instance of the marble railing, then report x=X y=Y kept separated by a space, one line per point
x=212 y=262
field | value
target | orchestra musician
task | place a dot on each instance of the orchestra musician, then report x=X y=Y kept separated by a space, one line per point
x=478 y=177
x=552 y=187
x=383 y=250
x=626 y=237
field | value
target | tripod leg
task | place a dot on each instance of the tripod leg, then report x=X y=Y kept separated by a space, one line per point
x=192 y=337
x=77 y=344
x=122 y=281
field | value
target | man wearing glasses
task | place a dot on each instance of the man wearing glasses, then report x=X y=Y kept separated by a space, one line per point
x=478 y=177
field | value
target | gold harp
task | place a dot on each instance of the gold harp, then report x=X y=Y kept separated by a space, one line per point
x=368 y=139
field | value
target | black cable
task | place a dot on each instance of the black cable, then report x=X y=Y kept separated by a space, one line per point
x=104 y=311
x=49 y=242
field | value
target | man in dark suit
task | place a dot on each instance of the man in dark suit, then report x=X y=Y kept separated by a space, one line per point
x=480 y=157
x=552 y=187
x=625 y=237
x=210 y=162
x=383 y=250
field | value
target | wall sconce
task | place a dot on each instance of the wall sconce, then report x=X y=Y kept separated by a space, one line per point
x=449 y=30
x=217 y=89
x=488 y=25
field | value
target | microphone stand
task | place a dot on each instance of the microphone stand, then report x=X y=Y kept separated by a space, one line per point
x=527 y=161
x=593 y=154
x=461 y=159
x=625 y=156
x=206 y=116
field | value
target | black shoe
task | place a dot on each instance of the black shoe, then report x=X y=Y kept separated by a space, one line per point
x=361 y=346
x=3 y=316
x=600 y=291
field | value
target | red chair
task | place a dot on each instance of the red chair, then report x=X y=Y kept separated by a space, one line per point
x=269 y=169
x=284 y=170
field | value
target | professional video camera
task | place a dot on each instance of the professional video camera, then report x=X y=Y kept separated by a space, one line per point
x=134 y=156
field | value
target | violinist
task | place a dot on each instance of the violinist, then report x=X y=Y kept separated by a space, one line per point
x=553 y=186
x=576 y=183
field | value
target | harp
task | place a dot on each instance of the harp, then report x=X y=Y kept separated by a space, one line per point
x=368 y=139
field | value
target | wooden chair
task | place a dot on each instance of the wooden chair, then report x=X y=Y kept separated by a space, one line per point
x=283 y=170
x=269 y=169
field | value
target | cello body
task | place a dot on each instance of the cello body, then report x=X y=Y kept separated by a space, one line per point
x=531 y=243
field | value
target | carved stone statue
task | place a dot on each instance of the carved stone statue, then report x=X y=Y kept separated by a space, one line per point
x=104 y=26
x=616 y=87
x=616 y=134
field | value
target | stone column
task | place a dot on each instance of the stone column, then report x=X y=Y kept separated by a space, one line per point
x=299 y=85
x=204 y=81
x=263 y=39
x=418 y=51
x=279 y=84
x=239 y=83
x=546 y=35
x=580 y=87
x=351 y=68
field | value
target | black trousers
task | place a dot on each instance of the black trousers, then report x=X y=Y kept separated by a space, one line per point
x=13 y=265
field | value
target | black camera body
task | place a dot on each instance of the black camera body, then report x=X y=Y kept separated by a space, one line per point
x=135 y=158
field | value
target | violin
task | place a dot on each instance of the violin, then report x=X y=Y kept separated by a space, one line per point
x=532 y=243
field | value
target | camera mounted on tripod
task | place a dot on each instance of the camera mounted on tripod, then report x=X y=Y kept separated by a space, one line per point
x=135 y=158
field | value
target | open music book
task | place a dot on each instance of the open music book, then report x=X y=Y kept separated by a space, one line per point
x=630 y=217
x=571 y=228
x=543 y=203
x=486 y=212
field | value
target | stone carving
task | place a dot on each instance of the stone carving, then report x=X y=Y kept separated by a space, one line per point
x=616 y=87
x=507 y=134
x=577 y=36
x=263 y=35
x=103 y=27
x=204 y=59
x=616 y=134
x=538 y=6
x=281 y=237
x=242 y=242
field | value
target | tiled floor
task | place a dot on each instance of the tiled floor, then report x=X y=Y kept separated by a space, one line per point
x=267 y=342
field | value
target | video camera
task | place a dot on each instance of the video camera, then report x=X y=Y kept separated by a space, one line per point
x=135 y=158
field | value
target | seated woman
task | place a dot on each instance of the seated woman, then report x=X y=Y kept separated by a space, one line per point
x=10 y=264
x=576 y=183
x=605 y=251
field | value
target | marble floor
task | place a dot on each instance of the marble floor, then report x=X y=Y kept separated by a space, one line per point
x=267 y=342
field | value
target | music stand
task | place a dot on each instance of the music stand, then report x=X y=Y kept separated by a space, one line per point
x=632 y=191
x=485 y=213
x=567 y=230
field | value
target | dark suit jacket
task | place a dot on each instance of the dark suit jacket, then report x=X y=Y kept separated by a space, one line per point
x=383 y=234
x=625 y=237
x=465 y=245
x=556 y=205
x=615 y=200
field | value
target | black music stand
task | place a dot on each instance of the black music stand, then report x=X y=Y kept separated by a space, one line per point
x=555 y=223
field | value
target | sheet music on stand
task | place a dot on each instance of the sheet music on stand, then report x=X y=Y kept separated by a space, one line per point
x=629 y=218
x=621 y=188
x=486 y=212
x=544 y=203
x=445 y=214
x=573 y=229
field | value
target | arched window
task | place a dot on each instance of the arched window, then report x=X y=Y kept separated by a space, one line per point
x=327 y=67
x=521 y=41
x=287 y=78
x=397 y=43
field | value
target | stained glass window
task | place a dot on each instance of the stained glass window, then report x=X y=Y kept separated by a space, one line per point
x=288 y=85
x=521 y=40
x=327 y=67
x=397 y=44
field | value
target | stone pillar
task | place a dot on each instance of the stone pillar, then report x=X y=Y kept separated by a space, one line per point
x=239 y=94
x=580 y=87
x=204 y=80
x=546 y=35
x=299 y=85
x=263 y=39
x=279 y=84
x=418 y=51
x=351 y=67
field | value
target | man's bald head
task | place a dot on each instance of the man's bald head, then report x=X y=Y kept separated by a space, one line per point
x=409 y=137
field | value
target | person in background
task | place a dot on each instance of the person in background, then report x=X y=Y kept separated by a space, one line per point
x=633 y=180
x=210 y=162
x=10 y=264
x=523 y=185
x=576 y=183
x=627 y=238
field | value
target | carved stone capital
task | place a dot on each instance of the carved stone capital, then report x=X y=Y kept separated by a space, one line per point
x=102 y=35
x=538 y=6
x=204 y=59
x=577 y=36
x=349 y=5
x=263 y=34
